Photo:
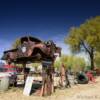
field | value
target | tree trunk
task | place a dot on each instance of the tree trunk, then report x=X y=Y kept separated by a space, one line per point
x=92 y=62
x=92 y=59
x=90 y=51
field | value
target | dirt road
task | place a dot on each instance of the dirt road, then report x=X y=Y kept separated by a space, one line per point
x=89 y=91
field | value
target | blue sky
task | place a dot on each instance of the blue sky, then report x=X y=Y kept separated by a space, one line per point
x=46 y=19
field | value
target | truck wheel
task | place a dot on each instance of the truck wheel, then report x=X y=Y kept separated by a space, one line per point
x=4 y=83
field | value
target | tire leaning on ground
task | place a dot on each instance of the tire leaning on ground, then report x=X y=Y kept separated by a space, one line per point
x=82 y=78
x=4 y=83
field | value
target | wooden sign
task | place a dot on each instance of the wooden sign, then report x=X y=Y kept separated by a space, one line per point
x=28 y=85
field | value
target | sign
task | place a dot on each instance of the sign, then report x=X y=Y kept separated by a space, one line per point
x=28 y=85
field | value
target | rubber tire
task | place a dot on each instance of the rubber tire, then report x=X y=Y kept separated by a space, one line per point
x=4 y=84
x=82 y=79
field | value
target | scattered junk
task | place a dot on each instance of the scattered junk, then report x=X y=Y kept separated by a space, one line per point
x=85 y=77
x=33 y=50
x=8 y=76
x=90 y=76
x=64 y=80
x=20 y=79
x=28 y=85
x=42 y=83
x=72 y=79
x=82 y=78
x=4 y=82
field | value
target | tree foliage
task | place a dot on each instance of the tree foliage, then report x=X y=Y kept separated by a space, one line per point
x=97 y=59
x=73 y=62
x=16 y=43
x=86 y=38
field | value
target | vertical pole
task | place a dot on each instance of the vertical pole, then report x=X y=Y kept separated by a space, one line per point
x=52 y=75
x=47 y=77
x=25 y=74
x=63 y=76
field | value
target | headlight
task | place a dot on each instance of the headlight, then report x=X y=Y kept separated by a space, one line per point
x=23 y=49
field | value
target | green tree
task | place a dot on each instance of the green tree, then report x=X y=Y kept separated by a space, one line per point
x=73 y=62
x=86 y=38
x=78 y=64
x=97 y=59
x=57 y=64
x=16 y=43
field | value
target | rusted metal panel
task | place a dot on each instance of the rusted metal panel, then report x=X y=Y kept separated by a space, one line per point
x=32 y=48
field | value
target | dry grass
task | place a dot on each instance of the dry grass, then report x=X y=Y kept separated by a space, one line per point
x=89 y=91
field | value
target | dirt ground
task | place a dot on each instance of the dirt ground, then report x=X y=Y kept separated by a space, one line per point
x=89 y=91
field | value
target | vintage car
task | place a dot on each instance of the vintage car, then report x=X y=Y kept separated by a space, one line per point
x=8 y=76
x=32 y=49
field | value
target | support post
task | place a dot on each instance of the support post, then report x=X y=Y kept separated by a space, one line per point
x=25 y=74
x=47 y=77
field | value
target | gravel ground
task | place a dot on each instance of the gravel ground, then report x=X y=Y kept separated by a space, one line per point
x=89 y=91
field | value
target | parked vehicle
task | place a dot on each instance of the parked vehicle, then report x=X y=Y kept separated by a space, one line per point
x=8 y=75
x=32 y=49
x=4 y=81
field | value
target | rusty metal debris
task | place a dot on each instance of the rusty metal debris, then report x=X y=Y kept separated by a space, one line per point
x=32 y=49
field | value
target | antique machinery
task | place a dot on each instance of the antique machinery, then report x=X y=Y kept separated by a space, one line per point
x=35 y=50
x=32 y=49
